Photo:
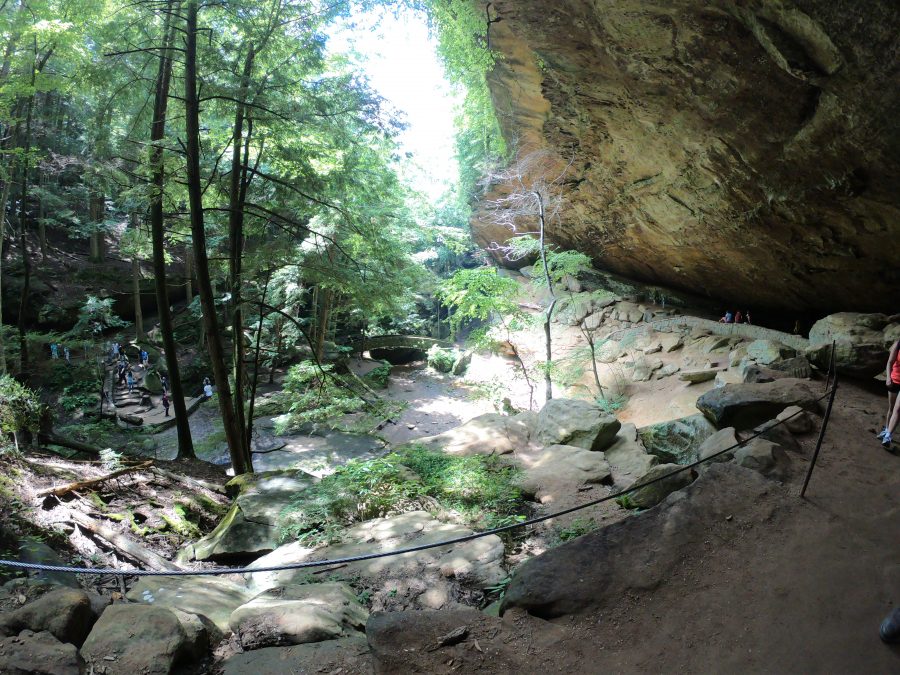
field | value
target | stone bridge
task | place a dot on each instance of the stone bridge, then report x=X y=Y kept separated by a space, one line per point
x=398 y=342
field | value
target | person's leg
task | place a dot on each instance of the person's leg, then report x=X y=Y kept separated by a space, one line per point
x=887 y=438
x=892 y=398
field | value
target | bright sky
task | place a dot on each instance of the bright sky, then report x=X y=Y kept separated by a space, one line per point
x=400 y=60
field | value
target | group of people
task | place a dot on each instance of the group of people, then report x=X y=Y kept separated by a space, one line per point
x=735 y=317
x=54 y=352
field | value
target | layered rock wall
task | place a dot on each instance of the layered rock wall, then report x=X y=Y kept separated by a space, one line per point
x=744 y=149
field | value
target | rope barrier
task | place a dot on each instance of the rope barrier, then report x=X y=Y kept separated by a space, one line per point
x=386 y=554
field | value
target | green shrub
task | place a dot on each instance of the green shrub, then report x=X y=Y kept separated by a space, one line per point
x=81 y=394
x=377 y=378
x=610 y=404
x=479 y=488
x=311 y=395
x=442 y=359
x=577 y=528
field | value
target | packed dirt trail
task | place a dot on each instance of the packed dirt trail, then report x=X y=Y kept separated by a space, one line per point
x=801 y=587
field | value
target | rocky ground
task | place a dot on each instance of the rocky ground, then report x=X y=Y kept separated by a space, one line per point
x=721 y=567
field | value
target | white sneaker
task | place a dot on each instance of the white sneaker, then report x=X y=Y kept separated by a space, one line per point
x=882 y=433
x=886 y=440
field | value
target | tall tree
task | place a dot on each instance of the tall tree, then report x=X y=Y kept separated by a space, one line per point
x=240 y=454
x=157 y=163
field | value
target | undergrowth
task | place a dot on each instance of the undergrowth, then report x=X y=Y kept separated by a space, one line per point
x=479 y=489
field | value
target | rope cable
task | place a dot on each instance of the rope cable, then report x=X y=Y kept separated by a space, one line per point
x=402 y=551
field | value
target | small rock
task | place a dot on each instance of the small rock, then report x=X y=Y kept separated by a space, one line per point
x=798 y=420
x=31 y=653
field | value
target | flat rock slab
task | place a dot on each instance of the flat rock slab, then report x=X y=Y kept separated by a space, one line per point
x=347 y=655
x=250 y=528
x=572 y=422
x=628 y=458
x=697 y=376
x=210 y=597
x=129 y=639
x=560 y=467
x=294 y=615
x=744 y=406
x=30 y=653
x=587 y=574
x=488 y=434
x=477 y=563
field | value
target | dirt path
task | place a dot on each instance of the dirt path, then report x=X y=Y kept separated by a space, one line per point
x=802 y=592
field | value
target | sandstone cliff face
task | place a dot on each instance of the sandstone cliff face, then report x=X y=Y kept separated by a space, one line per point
x=745 y=149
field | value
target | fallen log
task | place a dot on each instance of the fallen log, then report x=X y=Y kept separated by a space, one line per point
x=122 y=543
x=53 y=439
x=189 y=482
x=80 y=485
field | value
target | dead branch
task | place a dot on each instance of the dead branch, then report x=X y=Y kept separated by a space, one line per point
x=189 y=482
x=122 y=543
x=53 y=439
x=79 y=485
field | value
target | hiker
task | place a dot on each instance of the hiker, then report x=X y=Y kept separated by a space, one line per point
x=738 y=317
x=67 y=354
x=145 y=358
x=892 y=381
x=130 y=380
x=746 y=316
x=122 y=369
x=728 y=318
x=164 y=382
x=207 y=388
x=54 y=350
x=165 y=402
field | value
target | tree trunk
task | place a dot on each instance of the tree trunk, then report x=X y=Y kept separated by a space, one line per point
x=188 y=275
x=548 y=381
x=157 y=134
x=23 y=238
x=136 y=290
x=324 y=317
x=42 y=228
x=4 y=198
x=240 y=457
x=237 y=192
x=97 y=213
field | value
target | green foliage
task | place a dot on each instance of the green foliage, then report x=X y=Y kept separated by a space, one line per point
x=478 y=488
x=95 y=317
x=575 y=529
x=110 y=459
x=378 y=377
x=311 y=395
x=442 y=359
x=560 y=264
x=477 y=294
x=611 y=404
x=20 y=407
x=82 y=394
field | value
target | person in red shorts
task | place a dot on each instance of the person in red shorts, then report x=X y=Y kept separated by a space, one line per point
x=892 y=380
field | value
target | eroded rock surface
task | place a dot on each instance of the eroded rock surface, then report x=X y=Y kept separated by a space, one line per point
x=572 y=422
x=745 y=405
x=711 y=145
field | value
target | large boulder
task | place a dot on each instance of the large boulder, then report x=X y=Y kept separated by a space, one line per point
x=30 y=653
x=591 y=573
x=861 y=342
x=476 y=563
x=764 y=456
x=676 y=440
x=717 y=443
x=560 y=467
x=488 y=434
x=345 y=655
x=32 y=551
x=211 y=598
x=768 y=351
x=628 y=458
x=650 y=495
x=572 y=422
x=250 y=528
x=293 y=615
x=130 y=639
x=743 y=406
x=66 y=613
